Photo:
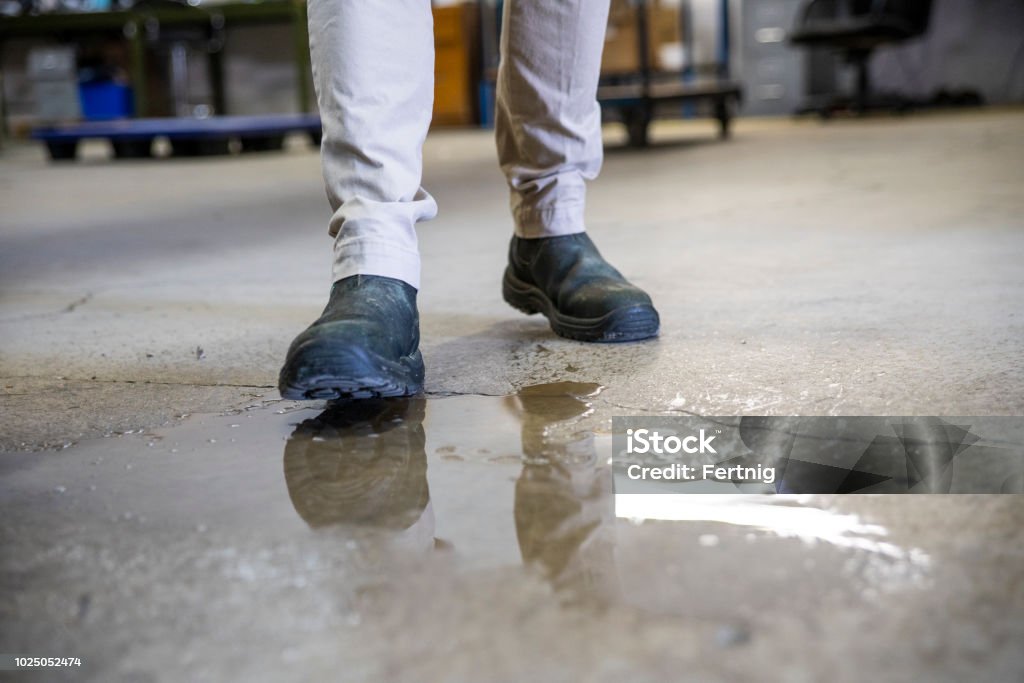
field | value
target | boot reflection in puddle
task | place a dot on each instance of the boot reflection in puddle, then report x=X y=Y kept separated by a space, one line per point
x=363 y=464
x=564 y=504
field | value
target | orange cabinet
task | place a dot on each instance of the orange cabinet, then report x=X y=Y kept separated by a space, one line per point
x=456 y=65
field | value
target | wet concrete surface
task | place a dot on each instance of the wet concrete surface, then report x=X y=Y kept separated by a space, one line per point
x=477 y=538
x=862 y=268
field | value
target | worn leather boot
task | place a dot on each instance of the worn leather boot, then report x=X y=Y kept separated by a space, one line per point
x=365 y=344
x=580 y=293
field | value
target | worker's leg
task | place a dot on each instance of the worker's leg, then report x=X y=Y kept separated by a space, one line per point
x=549 y=144
x=548 y=124
x=373 y=67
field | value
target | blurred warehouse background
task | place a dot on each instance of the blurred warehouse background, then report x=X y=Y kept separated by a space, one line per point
x=94 y=60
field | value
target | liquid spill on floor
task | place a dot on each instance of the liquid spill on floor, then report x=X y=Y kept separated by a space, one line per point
x=415 y=537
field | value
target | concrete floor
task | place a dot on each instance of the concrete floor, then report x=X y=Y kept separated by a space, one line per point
x=857 y=268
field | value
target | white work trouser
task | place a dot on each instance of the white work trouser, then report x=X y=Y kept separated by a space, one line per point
x=373 y=67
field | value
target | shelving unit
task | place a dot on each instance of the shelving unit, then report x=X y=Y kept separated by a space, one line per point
x=143 y=26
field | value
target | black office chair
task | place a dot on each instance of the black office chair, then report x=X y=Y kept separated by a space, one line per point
x=856 y=28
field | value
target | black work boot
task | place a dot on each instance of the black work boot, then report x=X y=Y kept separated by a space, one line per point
x=579 y=292
x=365 y=344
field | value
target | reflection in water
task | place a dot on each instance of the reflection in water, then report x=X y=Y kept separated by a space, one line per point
x=809 y=524
x=564 y=504
x=363 y=464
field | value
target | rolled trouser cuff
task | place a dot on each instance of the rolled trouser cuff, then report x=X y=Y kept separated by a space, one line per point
x=534 y=223
x=360 y=257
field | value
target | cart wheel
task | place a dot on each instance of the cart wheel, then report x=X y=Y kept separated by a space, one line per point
x=637 y=123
x=132 y=149
x=200 y=147
x=262 y=143
x=62 y=151
x=723 y=112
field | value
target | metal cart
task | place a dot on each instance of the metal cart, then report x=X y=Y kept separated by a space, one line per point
x=635 y=99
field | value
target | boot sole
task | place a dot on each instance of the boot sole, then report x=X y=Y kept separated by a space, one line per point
x=315 y=372
x=629 y=323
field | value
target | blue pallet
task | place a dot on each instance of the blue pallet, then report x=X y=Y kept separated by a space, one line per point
x=188 y=137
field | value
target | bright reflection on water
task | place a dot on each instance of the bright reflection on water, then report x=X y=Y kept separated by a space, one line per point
x=809 y=524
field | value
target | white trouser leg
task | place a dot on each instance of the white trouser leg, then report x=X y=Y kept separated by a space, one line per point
x=548 y=121
x=373 y=67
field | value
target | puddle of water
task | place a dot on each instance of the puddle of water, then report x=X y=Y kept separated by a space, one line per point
x=359 y=501
x=363 y=466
